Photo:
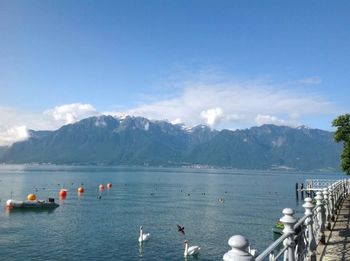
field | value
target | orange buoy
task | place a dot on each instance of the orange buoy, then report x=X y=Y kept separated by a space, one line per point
x=102 y=187
x=31 y=197
x=63 y=193
x=109 y=185
x=80 y=190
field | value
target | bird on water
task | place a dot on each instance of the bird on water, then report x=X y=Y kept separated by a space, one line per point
x=191 y=251
x=143 y=236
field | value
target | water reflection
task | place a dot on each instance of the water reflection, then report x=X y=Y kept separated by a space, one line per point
x=140 y=249
x=24 y=211
x=196 y=257
x=154 y=197
x=62 y=200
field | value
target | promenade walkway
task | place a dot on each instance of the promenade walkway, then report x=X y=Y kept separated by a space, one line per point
x=337 y=247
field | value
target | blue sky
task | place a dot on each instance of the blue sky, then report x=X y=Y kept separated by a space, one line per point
x=229 y=64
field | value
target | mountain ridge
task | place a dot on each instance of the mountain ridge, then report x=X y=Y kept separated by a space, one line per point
x=106 y=140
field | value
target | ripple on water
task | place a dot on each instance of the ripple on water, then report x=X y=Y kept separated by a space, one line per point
x=88 y=228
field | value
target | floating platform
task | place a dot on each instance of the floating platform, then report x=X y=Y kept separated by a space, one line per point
x=32 y=204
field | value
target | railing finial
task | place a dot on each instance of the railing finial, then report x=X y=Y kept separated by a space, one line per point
x=327 y=210
x=288 y=221
x=321 y=213
x=239 y=251
x=311 y=245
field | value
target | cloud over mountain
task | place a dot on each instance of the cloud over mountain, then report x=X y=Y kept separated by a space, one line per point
x=212 y=116
x=70 y=113
x=14 y=134
x=15 y=123
x=268 y=119
x=221 y=102
x=232 y=104
x=134 y=141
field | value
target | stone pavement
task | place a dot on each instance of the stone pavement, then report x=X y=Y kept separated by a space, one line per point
x=337 y=247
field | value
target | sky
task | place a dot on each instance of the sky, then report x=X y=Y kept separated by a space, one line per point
x=227 y=64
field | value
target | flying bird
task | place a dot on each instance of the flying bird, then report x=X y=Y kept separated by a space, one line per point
x=181 y=229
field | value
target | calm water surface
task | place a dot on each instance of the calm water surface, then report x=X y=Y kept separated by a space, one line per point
x=88 y=228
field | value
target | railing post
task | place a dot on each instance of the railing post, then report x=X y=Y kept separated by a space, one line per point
x=345 y=188
x=339 y=194
x=331 y=202
x=336 y=197
x=239 y=251
x=311 y=246
x=321 y=216
x=288 y=221
x=342 y=191
x=326 y=204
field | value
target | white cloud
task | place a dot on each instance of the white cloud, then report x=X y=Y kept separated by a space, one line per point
x=11 y=135
x=116 y=114
x=70 y=113
x=11 y=117
x=268 y=119
x=232 y=104
x=176 y=121
x=217 y=101
x=212 y=116
x=15 y=123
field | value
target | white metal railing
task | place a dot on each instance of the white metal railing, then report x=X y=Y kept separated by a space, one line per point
x=318 y=184
x=300 y=237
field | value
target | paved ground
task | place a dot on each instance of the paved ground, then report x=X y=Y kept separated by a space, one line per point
x=337 y=246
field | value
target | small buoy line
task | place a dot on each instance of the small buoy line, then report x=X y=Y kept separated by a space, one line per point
x=33 y=203
x=63 y=193
x=143 y=237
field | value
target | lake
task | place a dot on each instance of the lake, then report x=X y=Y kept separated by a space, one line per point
x=88 y=228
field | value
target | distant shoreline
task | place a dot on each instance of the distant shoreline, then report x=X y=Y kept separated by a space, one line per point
x=31 y=166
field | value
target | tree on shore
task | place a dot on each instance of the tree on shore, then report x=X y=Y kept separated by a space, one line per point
x=342 y=134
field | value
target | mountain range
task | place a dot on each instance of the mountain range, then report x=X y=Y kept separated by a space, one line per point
x=106 y=140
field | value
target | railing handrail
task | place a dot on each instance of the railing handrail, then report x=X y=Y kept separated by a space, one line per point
x=278 y=241
x=272 y=247
x=300 y=236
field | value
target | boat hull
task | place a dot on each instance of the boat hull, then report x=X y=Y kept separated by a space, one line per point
x=32 y=204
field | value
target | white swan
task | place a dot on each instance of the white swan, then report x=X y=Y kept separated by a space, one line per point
x=143 y=237
x=191 y=251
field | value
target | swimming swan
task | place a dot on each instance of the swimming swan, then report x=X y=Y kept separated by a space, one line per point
x=143 y=237
x=191 y=251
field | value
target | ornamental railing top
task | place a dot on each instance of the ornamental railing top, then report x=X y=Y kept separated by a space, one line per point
x=318 y=184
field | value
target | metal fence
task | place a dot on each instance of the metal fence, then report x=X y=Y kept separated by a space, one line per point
x=300 y=237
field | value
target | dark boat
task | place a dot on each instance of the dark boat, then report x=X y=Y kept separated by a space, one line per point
x=278 y=228
x=32 y=204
